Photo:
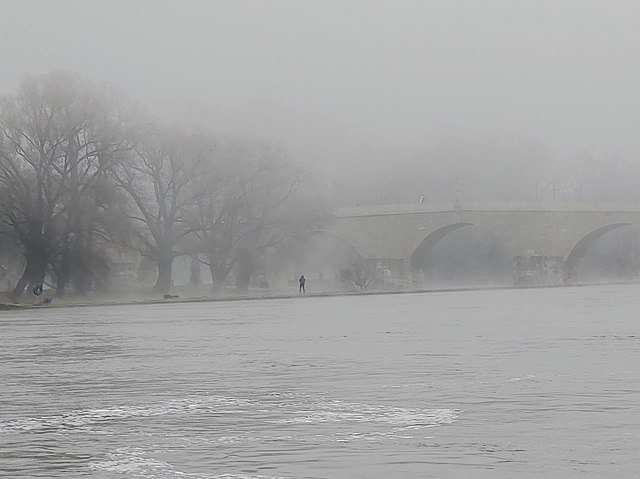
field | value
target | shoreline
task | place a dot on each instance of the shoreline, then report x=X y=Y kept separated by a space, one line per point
x=65 y=303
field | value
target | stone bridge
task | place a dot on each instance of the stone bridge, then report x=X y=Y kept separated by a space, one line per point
x=546 y=230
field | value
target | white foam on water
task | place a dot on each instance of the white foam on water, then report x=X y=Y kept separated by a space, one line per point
x=528 y=377
x=392 y=434
x=354 y=422
x=339 y=411
x=82 y=420
x=132 y=462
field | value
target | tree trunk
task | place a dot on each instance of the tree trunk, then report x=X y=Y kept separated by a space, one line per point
x=218 y=278
x=22 y=283
x=163 y=283
x=64 y=271
x=34 y=272
x=195 y=278
x=246 y=268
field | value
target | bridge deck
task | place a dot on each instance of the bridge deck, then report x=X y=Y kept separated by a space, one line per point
x=541 y=206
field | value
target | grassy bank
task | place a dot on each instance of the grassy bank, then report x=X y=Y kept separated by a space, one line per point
x=188 y=294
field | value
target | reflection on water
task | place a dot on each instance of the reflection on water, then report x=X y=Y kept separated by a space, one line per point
x=470 y=384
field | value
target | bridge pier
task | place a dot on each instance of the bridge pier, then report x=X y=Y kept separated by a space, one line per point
x=392 y=273
x=538 y=270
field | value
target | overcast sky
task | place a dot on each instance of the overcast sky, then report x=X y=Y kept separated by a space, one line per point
x=564 y=71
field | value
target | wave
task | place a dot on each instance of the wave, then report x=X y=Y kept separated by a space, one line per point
x=82 y=419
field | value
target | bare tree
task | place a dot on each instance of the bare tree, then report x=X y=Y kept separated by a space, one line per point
x=58 y=141
x=282 y=204
x=159 y=178
x=213 y=217
x=95 y=143
x=252 y=204
x=359 y=275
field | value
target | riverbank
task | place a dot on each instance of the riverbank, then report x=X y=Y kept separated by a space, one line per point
x=53 y=302
x=49 y=301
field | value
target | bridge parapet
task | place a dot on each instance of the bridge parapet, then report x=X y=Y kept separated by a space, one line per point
x=540 y=206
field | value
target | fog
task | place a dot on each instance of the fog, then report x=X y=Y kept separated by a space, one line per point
x=382 y=102
x=363 y=86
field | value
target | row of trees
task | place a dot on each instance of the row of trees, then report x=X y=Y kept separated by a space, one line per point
x=85 y=173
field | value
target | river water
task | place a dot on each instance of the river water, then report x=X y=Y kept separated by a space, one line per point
x=500 y=383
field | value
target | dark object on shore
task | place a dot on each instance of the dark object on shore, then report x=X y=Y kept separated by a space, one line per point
x=37 y=289
x=9 y=306
x=170 y=296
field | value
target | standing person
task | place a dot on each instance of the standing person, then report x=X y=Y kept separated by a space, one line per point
x=302 y=281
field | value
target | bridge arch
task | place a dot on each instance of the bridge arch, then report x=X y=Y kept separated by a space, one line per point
x=577 y=253
x=427 y=244
x=479 y=257
x=332 y=241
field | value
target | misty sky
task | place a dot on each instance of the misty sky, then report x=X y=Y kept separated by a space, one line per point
x=566 y=72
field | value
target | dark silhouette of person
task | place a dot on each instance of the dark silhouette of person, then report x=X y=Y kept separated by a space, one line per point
x=302 y=281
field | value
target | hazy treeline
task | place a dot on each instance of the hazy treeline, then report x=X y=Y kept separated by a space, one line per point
x=489 y=165
x=86 y=175
x=366 y=167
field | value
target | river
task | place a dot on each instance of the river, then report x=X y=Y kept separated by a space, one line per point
x=495 y=383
